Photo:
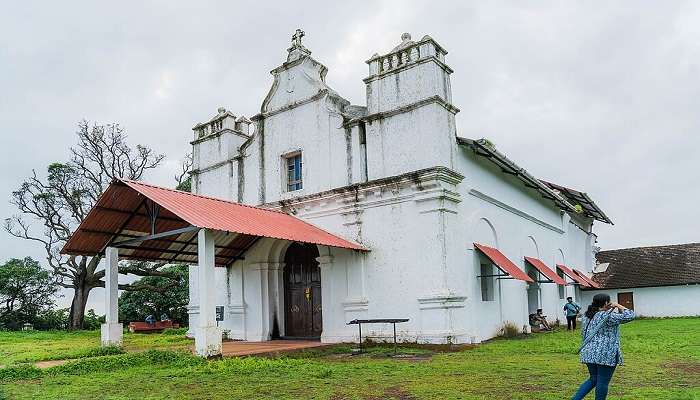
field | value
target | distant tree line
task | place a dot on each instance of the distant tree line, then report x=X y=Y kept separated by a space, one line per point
x=28 y=294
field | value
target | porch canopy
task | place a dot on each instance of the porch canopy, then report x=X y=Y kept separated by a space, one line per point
x=152 y=223
x=545 y=271
x=574 y=276
x=502 y=262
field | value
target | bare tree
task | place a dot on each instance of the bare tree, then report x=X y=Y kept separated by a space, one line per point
x=184 y=177
x=61 y=200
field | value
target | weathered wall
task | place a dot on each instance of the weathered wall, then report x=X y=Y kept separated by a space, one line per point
x=421 y=137
x=315 y=129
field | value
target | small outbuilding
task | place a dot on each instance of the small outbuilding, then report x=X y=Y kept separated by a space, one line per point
x=655 y=281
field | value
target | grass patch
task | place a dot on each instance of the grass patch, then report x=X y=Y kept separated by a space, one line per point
x=662 y=359
x=32 y=346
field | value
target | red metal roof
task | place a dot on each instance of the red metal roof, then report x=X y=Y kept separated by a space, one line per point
x=121 y=213
x=571 y=274
x=503 y=263
x=588 y=280
x=545 y=270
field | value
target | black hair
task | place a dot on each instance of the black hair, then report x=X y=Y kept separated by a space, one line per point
x=569 y=298
x=599 y=301
x=539 y=310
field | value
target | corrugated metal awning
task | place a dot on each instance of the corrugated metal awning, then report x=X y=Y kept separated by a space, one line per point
x=571 y=274
x=129 y=210
x=545 y=270
x=588 y=280
x=503 y=263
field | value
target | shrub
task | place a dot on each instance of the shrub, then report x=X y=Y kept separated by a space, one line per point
x=92 y=321
x=509 y=330
x=175 y=331
x=52 y=319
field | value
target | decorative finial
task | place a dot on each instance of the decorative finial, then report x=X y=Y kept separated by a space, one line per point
x=406 y=36
x=221 y=110
x=296 y=38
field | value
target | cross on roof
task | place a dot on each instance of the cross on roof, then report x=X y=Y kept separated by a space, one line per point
x=296 y=38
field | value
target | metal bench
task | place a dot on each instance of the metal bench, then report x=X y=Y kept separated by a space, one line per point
x=393 y=321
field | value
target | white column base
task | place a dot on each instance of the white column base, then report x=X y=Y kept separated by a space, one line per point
x=207 y=341
x=111 y=334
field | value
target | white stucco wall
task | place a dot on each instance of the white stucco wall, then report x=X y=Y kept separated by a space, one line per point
x=420 y=226
x=660 y=301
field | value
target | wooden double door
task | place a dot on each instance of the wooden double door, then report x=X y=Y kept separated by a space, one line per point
x=302 y=292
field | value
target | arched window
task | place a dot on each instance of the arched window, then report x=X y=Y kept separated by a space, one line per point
x=485 y=233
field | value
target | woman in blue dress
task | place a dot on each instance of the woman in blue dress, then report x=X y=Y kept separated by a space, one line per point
x=600 y=349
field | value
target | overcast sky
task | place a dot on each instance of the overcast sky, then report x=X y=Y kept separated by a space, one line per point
x=603 y=97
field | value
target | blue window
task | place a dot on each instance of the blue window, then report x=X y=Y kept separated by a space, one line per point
x=294 y=181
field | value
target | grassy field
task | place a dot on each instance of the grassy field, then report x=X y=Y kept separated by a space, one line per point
x=662 y=362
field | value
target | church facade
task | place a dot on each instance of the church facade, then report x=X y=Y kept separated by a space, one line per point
x=461 y=239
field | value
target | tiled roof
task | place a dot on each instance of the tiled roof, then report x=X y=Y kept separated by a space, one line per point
x=484 y=148
x=650 y=266
x=563 y=197
x=589 y=207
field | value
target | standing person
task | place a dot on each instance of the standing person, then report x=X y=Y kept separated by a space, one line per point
x=600 y=350
x=571 y=309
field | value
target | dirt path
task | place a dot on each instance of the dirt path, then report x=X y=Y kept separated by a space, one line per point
x=50 y=363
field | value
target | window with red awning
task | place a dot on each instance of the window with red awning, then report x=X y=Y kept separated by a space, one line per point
x=588 y=280
x=574 y=276
x=545 y=271
x=502 y=262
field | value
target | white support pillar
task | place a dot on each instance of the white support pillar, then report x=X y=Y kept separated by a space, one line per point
x=111 y=330
x=325 y=263
x=207 y=338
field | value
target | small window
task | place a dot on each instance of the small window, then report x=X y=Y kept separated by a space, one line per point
x=294 y=177
x=486 y=281
x=562 y=289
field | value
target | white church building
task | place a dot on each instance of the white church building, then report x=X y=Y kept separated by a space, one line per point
x=460 y=239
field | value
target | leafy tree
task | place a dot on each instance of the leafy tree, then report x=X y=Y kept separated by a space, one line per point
x=26 y=290
x=163 y=298
x=61 y=200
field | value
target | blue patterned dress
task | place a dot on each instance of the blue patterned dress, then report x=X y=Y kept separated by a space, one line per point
x=603 y=348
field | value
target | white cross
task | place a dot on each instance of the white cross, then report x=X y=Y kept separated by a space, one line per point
x=296 y=38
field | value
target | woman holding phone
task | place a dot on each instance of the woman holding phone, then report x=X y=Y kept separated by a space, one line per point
x=600 y=349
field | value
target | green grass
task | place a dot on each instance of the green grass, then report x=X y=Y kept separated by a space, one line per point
x=32 y=346
x=662 y=362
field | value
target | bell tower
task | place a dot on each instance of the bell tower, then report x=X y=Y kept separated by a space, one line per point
x=410 y=116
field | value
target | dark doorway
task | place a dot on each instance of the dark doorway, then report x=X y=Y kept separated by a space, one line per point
x=626 y=299
x=302 y=292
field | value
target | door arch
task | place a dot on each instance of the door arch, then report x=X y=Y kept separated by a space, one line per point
x=302 y=292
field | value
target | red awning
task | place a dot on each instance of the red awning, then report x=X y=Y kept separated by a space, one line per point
x=571 y=274
x=503 y=263
x=545 y=270
x=588 y=280
x=127 y=208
